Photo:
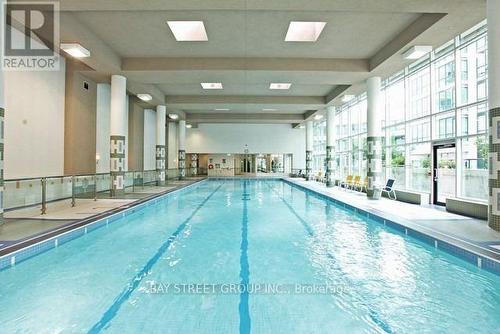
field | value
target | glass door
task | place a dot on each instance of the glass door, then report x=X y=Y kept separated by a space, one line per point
x=444 y=173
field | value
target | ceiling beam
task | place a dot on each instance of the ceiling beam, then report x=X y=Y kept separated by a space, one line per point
x=164 y=64
x=336 y=92
x=404 y=38
x=174 y=100
x=260 y=118
x=419 y=6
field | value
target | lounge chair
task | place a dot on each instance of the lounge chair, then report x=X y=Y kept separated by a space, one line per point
x=320 y=177
x=347 y=183
x=358 y=185
x=388 y=189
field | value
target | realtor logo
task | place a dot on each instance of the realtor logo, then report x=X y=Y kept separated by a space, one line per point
x=30 y=32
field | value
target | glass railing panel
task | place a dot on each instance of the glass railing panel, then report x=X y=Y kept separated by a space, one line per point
x=20 y=193
x=58 y=188
x=84 y=186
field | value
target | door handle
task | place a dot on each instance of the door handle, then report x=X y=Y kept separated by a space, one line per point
x=436 y=174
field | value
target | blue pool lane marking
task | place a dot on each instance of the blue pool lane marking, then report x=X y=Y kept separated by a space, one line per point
x=134 y=283
x=371 y=313
x=245 y=322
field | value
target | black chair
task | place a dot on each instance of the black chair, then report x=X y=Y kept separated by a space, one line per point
x=388 y=189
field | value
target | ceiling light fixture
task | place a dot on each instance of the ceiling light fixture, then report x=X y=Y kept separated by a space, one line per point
x=304 y=31
x=268 y=109
x=301 y=127
x=347 y=98
x=280 y=85
x=221 y=109
x=188 y=31
x=417 y=51
x=173 y=116
x=189 y=126
x=211 y=85
x=318 y=117
x=75 y=50
x=145 y=97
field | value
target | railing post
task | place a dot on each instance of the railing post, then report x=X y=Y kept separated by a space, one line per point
x=143 y=176
x=95 y=187
x=44 y=195
x=73 y=200
x=133 y=182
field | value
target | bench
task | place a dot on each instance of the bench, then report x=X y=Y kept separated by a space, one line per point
x=412 y=197
x=467 y=208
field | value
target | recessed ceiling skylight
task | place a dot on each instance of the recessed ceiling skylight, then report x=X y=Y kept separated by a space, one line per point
x=75 y=50
x=145 y=97
x=280 y=86
x=211 y=85
x=304 y=31
x=188 y=31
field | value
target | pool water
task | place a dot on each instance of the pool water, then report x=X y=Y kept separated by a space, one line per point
x=259 y=256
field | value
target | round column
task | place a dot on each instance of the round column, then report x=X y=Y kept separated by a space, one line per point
x=118 y=131
x=330 y=146
x=182 y=149
x=493 y=16
x=309 y=150
x=374 y=136
x=161 y=123
x=2 y=131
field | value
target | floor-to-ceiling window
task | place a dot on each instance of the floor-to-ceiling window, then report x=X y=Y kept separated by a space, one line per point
x=441 y=98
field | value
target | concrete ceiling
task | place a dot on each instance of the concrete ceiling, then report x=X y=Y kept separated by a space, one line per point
x=246 y=50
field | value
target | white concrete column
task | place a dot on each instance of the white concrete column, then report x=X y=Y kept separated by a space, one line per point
x=309 y=150
x=2 y=136
x=374 y=137
x=182 y=149
x=118 y=133
x=161 y=123
x=493 y=15
x=330 y=146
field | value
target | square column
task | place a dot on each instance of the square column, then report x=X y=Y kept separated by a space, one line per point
x=161 y=151
x=118 y=133
x=374 y=136
x=493 y=15
x=194 y=164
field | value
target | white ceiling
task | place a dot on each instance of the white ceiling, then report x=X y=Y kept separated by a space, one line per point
x=246 y=49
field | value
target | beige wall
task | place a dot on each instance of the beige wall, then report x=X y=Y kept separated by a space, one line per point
x=135 y=135
x=80 y=122
x=34 y=123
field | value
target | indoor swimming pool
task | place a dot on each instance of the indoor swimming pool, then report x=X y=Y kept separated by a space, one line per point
x=247 y=256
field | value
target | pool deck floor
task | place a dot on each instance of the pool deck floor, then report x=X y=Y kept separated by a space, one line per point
x=24 y=223
x=430 y=217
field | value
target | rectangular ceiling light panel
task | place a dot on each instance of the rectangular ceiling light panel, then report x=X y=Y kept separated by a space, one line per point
x=75 y=50
x=304 y=31
x=417 y=52
x=211 y=85
x=188 y=31
x=281 y=85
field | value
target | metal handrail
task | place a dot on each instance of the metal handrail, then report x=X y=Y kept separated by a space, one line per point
x=70 y=175
x=43 y=199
